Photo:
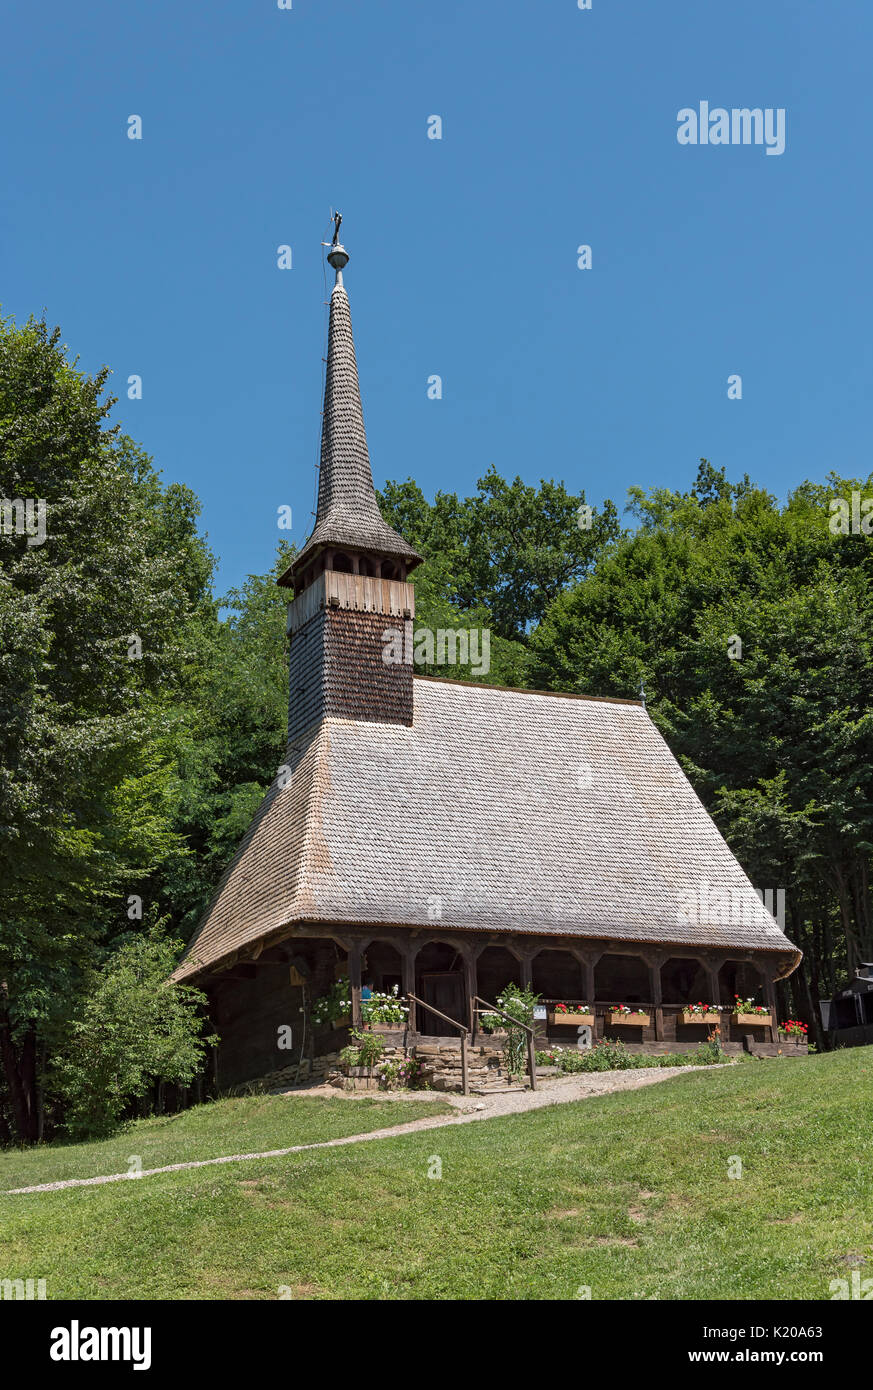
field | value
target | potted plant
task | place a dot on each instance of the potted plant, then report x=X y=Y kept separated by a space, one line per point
x=384 y=1012
x=626 y=1015
x=793 y=1028
x=747 y=1012
x=700 y=1013
x=334 y=1007
x=363 y=1056
x=563 y=1011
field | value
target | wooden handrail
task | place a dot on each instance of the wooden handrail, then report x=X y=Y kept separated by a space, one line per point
x=516 y=1023
x=455 y=1024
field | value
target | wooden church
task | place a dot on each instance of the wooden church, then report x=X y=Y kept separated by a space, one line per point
x=448 y=838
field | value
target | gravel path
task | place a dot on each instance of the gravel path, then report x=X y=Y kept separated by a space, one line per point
x=551 y=1091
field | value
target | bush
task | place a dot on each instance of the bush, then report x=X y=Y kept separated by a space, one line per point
x=134 y=1028
x=369 y=1047
x=519 y=1004
x=614 y=1056
x=400 y=1071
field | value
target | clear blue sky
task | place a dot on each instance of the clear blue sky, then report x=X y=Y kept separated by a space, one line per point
x=158 y=257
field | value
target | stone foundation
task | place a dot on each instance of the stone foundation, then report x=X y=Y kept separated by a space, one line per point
x=312 y=1070
x=441 y=1065
x=363 y=1078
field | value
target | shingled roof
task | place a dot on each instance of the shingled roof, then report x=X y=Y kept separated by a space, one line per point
x=348 y=513
x=511 y=811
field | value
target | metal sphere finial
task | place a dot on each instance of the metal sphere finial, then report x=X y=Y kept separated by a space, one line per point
x=337 y=256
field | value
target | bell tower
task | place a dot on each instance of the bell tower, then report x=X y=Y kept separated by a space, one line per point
x=350 y=580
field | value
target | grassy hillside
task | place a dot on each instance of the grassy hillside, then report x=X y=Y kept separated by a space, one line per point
x=628 y=1194
x=208 y=1131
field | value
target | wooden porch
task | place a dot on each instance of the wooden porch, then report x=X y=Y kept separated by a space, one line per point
x=276 y=983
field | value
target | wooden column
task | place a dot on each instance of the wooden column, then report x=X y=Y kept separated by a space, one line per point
x=355 y=953
x=588 y=959
x=469 y=955
x=470 y=990
x=770 y=997
x=654 y=963
x=409 y=958
x=526 y=969
x=590 y=987
x=712 y=974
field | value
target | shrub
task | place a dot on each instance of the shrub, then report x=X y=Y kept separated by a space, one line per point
x=614 y=1056
x=134 y=1028
x=400 y=1071
x=519 y=1004
x=370 y=1047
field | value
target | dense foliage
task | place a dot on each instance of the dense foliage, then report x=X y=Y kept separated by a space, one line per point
x=137 y=729
x=133 y=1026
x=776 y=730
x=614 y=1056
x=142 y=716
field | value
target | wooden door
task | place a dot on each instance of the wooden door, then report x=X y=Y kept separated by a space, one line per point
x=445 y=990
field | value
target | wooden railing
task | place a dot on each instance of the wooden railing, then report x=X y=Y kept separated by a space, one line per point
x=455 y=1024
x=516 y=1023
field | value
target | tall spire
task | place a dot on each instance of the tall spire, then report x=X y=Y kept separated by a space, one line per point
x=348 y=516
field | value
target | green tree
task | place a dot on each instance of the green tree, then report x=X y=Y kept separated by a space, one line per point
x=103 y=629
x=777 y=740
x=496 y=560
x=134 y=1028
x=233 y=744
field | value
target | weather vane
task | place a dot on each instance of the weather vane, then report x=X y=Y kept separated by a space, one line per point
x=337 y=217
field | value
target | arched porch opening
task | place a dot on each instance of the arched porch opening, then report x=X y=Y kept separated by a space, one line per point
x=382 y=968
x=557 y=975
x=741 y=977
x=495 y=969
x=622 y=980
x=685 y=981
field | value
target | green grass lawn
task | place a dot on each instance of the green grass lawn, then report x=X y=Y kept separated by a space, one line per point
x=627 y=1194
x=208 y=1131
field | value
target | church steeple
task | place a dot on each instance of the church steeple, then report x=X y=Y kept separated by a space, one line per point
x=350 y=531
x=352 y=599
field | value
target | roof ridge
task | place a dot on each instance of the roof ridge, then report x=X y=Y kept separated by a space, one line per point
x=530 y=690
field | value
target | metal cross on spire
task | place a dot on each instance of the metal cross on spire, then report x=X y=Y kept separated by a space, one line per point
x=337 y=256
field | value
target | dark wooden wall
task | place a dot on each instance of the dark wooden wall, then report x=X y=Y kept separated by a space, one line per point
x=248 y=1012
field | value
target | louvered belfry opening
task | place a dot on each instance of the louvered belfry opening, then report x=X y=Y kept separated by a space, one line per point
x=350 y=622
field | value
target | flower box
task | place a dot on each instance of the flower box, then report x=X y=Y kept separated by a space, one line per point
x=712 y=1017
x=555 y=1017
x=385 y=1027
x=756 y=1020
x=344 y=1022
x=792 y=1030
x=634 y=1020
